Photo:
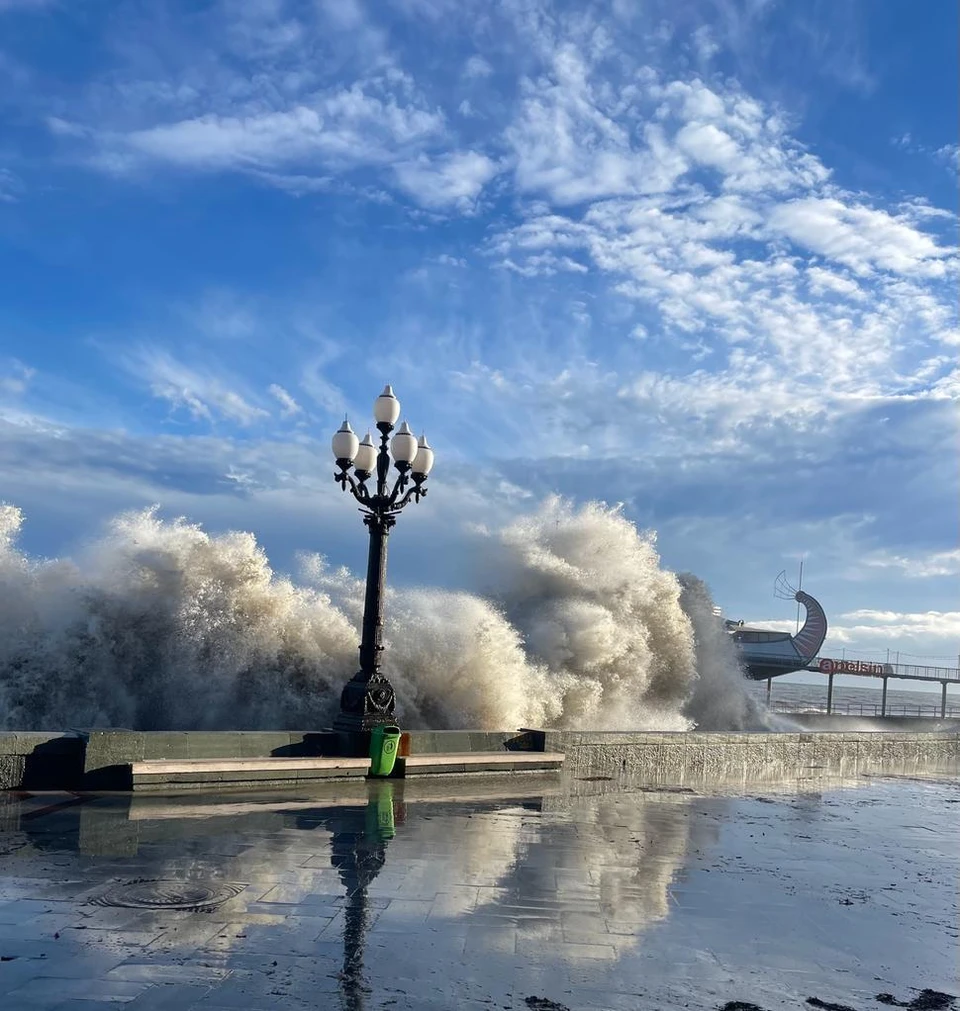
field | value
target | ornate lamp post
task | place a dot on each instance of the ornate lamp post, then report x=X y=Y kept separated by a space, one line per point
x=368 y=700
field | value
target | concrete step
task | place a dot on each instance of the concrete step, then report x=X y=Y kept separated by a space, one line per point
x=458 y=763
x=210 y=773
x=201 y=773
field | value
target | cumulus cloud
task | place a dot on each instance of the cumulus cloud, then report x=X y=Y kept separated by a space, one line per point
x=452 y=180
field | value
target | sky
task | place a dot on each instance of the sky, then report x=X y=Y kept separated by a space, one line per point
x=697 y=257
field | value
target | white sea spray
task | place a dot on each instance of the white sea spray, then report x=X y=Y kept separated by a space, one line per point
x=159 y=624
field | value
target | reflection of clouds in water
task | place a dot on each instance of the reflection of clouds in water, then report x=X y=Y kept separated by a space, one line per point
x=552 y=867
x=470 y=851
x=597 y=875
x=581 y=863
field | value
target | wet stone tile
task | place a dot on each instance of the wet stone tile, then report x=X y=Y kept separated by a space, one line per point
x=601 y=896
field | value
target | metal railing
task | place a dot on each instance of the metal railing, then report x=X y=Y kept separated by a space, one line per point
x=865 y=709
x=854 y=667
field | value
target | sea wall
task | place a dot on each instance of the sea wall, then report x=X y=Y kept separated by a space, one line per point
x=93 y=760
x=679 y=759
x=41 y=761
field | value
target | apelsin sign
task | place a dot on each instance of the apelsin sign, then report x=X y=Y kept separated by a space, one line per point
x=828 y=666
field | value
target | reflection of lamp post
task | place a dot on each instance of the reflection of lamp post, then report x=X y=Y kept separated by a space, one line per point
x=358 y=850
x=368 y=699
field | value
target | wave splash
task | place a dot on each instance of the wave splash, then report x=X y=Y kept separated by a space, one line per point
x=160 y=625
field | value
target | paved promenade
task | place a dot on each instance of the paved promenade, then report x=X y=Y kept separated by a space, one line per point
x=535 y=893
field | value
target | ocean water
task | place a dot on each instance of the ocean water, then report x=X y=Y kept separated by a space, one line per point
x=786 y=697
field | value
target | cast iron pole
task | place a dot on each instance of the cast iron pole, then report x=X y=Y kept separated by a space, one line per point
x=368 y=699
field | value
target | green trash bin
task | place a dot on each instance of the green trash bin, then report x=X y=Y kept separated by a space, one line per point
x=384 y=743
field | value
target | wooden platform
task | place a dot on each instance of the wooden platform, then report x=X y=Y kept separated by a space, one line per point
x=204 y=773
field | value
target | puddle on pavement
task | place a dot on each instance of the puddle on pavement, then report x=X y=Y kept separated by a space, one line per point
x=527 y=892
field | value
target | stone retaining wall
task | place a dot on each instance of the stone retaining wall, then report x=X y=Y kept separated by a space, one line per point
x=71 y=761
x=40 y=761
x=679 y=759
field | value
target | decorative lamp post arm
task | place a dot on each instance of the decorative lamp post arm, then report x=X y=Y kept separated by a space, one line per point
x=358 y=489
x=416 y=492
x=398 y=488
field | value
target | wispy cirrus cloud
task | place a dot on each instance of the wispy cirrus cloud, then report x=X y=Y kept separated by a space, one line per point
x=202 y=393
x=288 y=406
x=15 y=377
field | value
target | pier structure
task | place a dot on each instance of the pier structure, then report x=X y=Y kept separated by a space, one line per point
x=831 y=667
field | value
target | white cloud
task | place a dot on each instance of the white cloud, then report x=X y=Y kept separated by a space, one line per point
x=288 y=405
x=452 y=180
x=704 y=44
x=860 y=237
x=938 y=563
x=346 y=127
x=823 y=281
x=707 y=144
x=789 y=288
x=476 y=66
x=11 y=186
x=567 y=143
x=545 y=265
x=949 y=155
x=941 y=625
x=15 y=377
x=203 y=394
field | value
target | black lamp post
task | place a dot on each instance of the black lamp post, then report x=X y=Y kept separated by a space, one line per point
x=368 y=700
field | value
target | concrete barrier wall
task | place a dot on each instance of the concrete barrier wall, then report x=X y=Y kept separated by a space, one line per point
x=108 y=752
x=40 y=761
x=95 y=760
x=679 y=759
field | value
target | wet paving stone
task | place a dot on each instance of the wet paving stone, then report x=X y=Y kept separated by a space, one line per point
x=537 y=893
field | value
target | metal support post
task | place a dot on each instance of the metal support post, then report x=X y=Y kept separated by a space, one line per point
x=883 y=699
x=769 y=686
x=943 y=700
x=829 y=693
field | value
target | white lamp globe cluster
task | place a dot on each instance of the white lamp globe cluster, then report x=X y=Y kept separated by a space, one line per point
x=408 y=452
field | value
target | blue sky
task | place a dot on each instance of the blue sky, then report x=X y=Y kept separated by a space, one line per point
x=696 y=257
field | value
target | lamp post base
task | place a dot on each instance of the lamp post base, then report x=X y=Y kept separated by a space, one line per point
x=367 y=701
